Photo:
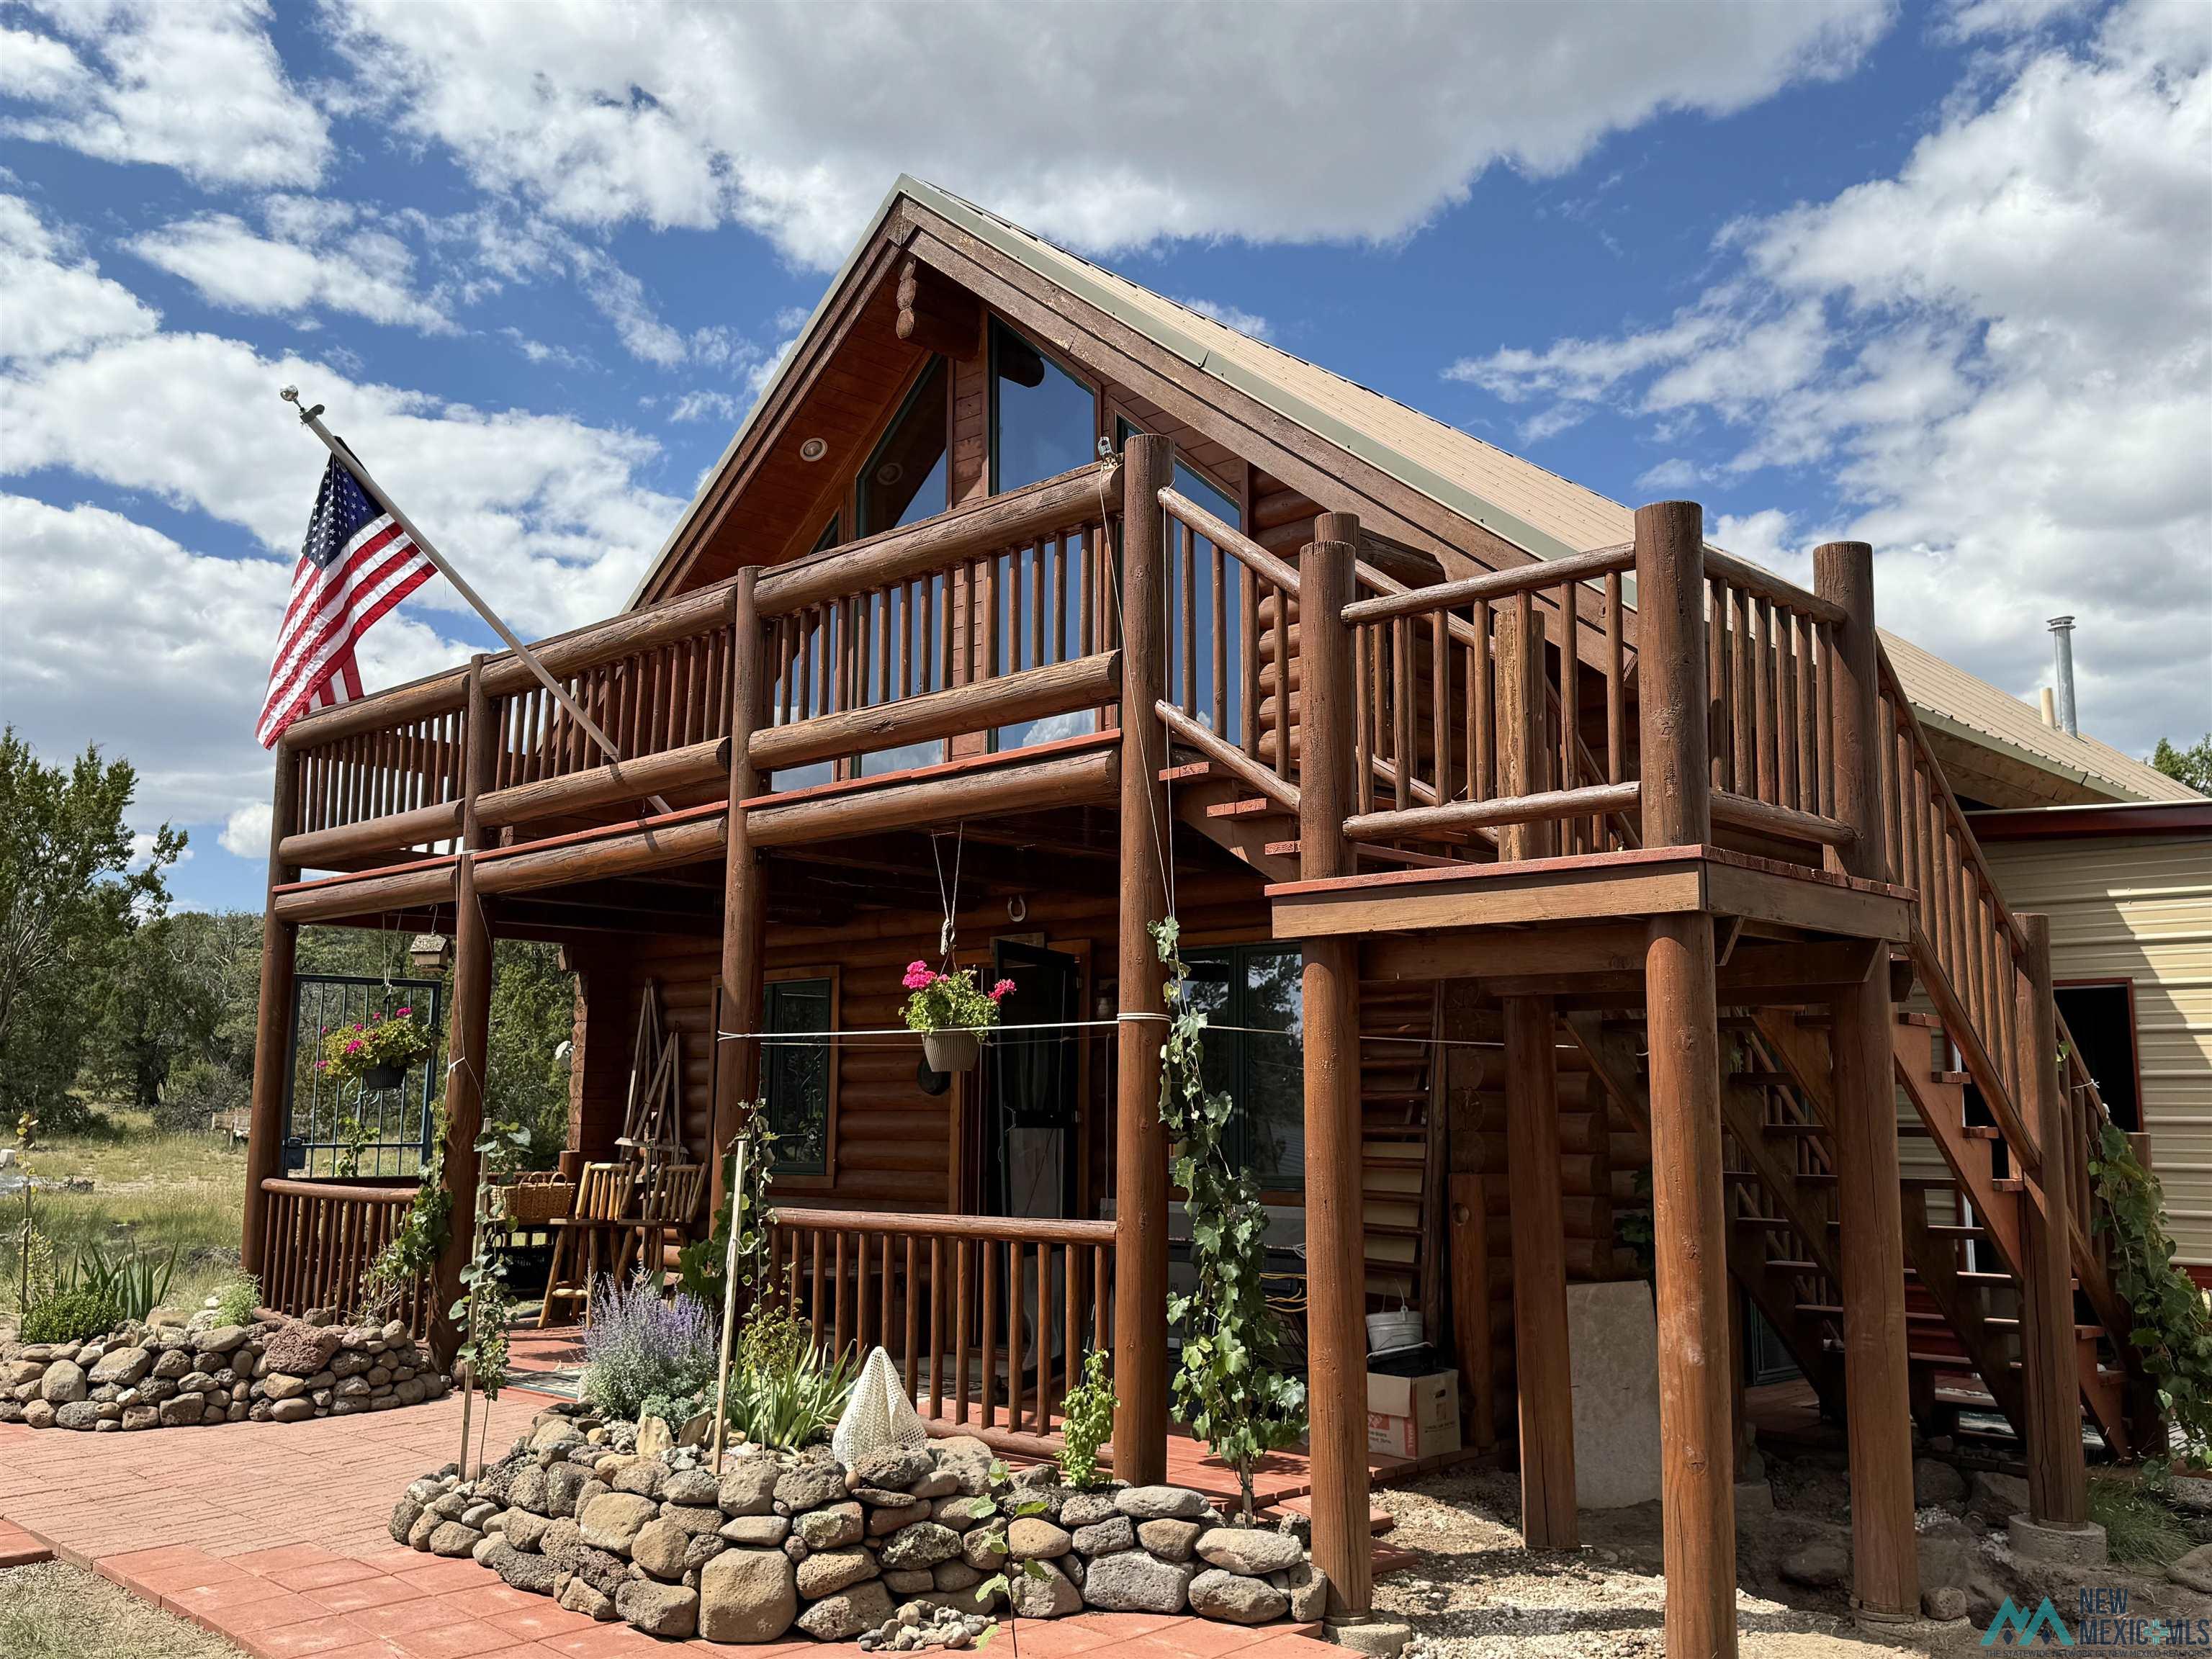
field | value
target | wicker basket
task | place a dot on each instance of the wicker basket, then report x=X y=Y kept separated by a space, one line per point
x=539 y=1197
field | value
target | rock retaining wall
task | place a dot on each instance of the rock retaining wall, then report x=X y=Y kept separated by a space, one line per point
x=165 y=1376
x=903 y=1549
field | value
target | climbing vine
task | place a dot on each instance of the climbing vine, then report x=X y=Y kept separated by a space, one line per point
x=2173 y=1327
x=1228 y=1388
x=422 y=1233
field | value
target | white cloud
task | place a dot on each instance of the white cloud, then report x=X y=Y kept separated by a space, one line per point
x=316 y=256
x=113 y=633
x=197 y=86
x=56 y=301
x=245 y=831
x=704 y=406
x=2000 y=361
x=1229 y=316
x=1104 y=128
x=1674 y=473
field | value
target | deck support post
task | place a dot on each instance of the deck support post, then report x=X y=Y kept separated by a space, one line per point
x=2057 y=1476
x=744 y=895
x=1336 y=1337
x=1541 y=1364
x=1688 y=1200
x=469 y=1029
x=272 y=1028
x=1140 y=1145
x=1869 y=1213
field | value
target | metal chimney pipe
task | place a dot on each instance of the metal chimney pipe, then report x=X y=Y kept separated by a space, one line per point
x=2062 y=658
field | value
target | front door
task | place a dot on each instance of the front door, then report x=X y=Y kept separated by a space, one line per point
x=1029 y=1083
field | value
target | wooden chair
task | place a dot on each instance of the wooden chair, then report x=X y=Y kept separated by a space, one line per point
x=589 y=1237
x=667 y=1201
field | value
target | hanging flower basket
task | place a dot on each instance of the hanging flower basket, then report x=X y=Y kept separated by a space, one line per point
x=952 y=1051
x=377 y=1053
x=952 y=1011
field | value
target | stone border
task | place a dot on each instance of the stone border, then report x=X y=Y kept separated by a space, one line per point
x=167 y=1376
x=903 y=1549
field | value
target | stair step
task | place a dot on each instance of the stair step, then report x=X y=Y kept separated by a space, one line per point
x=1922 y=1022
x=1951 y=1079
x=1793 y=1128
x=1189 y=771
x=1280 y=849
x=1253 y=806
x=1956 y=1230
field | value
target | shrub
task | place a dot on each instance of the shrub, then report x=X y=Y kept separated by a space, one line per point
x=196 y=1090
x=133 y=1283
x=638 y=1346
x=1087 y=1423
x=235 y=1300
x=350 y=1052
x=70 y=1317
x=782 y=1392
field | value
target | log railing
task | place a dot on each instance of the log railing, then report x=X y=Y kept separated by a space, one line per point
x=1231 y=673
x=989 y=1319
x=321 y=1237
x=1770 y=663
x=1020 y=586
x=1461 y=730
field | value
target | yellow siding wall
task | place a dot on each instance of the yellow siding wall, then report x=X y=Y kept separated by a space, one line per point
x=2141 y=909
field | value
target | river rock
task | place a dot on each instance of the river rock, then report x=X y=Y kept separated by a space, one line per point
x=1041 y=1591
x=1169 y=1538
x=810 y=1485
x=659 y=1548
x=63 y=1383
x=764 y=1532
x=1136 y=1583
x=747 y=1596
x=1235 y=1599
x=1249 y=1550
x=670 y=1611
x=1108 y=1537
x=123 y=1368
x=613 y=1520
x=841 y=1616
x=749 y=1486
x=1160 y=1502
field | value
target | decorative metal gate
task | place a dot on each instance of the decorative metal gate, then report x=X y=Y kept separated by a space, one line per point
x=336 y=1128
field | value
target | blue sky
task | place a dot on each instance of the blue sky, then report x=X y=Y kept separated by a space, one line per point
x=1940 y=278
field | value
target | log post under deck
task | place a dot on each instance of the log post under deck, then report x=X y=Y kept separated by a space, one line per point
x=468 y=1032
x=2057 y=1475
x=1870 y=1211
x=1140 y=1197
x=744 y=895
x=1697 y=1449
x=272 y=1028
x=1336 y=1276
x=1542 y=1380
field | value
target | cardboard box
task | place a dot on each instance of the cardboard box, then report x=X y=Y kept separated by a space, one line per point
x=1413 y=1417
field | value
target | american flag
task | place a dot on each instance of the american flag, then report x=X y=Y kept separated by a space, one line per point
x=355 y=565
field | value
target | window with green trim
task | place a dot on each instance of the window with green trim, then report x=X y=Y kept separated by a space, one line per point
x=1254 y=996
x=795 y=1073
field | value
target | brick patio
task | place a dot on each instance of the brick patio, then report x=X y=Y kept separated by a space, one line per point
x=274 y=1538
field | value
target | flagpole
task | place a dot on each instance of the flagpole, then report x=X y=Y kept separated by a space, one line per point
x=311 y=419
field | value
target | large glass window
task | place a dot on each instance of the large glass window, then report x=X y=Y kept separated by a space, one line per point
x=905 y=480
x=795 y=1075
x=1253 y=994
x=1044 y=422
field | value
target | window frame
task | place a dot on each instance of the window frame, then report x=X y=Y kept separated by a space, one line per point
x=825 y=1178
x=992 y=322
x=2124 y=982
x=856 y=499
x=1238 y=953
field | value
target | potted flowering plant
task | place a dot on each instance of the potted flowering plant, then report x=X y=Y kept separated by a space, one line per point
x=377 y=1053
x=952 y=1012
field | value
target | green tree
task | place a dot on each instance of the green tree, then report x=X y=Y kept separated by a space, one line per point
x=2192 y=766
x=533 y=1015
x=74 y=886
x=164 y=1004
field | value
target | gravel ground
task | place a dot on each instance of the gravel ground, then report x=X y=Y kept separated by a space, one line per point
x=1475 y=1593
x=54 y=1612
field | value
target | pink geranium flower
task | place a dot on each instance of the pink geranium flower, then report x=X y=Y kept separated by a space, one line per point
x=918 y=977
x=1002 y=989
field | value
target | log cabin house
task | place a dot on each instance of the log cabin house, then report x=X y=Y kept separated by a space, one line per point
x=1539 y=861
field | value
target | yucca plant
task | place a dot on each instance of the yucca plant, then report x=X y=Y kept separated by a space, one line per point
x=783 y=1392
x=135 y=1282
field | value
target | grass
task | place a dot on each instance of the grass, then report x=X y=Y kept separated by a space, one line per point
x=54 y=1612
x=150 y=1190
x=2140 y=1530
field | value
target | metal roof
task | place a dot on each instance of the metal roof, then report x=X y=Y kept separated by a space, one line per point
x=1536 y=510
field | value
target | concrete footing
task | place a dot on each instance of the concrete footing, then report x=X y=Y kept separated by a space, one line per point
x=1376 y=1635
x=2063 y=1547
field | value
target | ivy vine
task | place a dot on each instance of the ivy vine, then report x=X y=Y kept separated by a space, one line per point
x=412 y=1254
x=2173 y=1327
x=1229 y=1388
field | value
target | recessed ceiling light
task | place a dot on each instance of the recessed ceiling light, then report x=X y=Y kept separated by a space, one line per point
x=890 y=473
x=813 y=450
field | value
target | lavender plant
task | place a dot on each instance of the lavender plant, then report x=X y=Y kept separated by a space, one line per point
x=640 y=1347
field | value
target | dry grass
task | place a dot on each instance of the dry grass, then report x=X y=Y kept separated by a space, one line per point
x=150 y=1190
x=54 y=1612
